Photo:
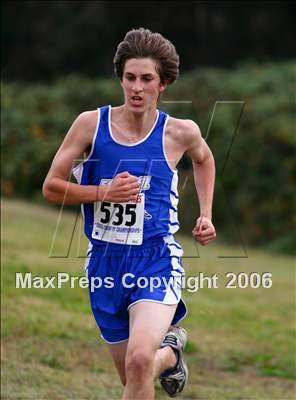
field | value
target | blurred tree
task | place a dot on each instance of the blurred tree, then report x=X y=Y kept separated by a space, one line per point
x=42 y=40
x=255 y=188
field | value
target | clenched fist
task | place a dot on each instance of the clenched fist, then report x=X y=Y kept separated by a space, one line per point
x=204 y=231
x=123 y=188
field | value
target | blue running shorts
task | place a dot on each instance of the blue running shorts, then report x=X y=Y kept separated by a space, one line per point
x=123 y=275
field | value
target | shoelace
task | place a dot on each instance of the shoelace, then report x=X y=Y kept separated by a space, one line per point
x=171 y=340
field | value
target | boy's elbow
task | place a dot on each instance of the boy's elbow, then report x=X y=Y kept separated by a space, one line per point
x=48 y=193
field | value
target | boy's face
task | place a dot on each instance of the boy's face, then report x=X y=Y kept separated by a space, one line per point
x=141 y=84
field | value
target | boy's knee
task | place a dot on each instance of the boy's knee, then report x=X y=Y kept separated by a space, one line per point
x=139 y=363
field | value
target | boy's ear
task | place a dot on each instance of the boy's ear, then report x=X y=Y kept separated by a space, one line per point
x=162 y=86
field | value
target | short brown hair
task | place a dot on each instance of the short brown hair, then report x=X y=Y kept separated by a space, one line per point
x=142 y=43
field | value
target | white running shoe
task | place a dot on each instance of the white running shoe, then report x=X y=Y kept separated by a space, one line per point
x=174 y=380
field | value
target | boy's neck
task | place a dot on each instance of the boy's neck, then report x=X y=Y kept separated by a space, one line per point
x=136 y=123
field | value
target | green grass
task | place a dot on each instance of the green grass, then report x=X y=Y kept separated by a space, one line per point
x=241 y=341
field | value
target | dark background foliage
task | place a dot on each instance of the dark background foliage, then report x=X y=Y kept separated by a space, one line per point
x=237 y=74
x=43 y=40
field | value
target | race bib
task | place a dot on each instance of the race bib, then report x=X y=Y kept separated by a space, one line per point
x=120 y=223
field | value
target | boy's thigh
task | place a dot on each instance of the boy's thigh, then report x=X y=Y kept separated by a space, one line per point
x=149 y=322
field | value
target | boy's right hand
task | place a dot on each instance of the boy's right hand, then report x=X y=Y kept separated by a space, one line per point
x=124 y=187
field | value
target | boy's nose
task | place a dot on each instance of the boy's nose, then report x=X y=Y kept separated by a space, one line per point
x=137 y=87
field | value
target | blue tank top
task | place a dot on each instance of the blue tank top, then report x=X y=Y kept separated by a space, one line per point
x=155 y=214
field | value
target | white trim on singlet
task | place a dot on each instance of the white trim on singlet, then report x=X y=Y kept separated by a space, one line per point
x=174 y=199
x=163 y=146
x=130 y=144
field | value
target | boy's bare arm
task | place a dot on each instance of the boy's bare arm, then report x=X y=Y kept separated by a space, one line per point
x=204 y=178
x=58 y=189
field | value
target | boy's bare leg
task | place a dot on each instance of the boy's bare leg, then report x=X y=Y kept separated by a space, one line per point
x=164 y=358
x=118 y=353
x=149 y=322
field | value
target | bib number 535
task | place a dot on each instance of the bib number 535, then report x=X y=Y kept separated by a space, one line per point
x=119 y=213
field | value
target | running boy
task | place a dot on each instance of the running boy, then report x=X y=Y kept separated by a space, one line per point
x=127 y=186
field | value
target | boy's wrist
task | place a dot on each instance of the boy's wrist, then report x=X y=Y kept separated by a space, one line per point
x=95 y=193
x=206 y=215
x=100 y=192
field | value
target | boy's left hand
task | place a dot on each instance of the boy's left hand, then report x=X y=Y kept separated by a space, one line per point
x=204 y=231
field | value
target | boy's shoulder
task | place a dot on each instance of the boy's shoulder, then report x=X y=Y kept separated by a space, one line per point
x=87 y=121
x=88 y=116
x=185 y=130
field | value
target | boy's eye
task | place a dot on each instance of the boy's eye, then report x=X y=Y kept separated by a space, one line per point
x=132 y=78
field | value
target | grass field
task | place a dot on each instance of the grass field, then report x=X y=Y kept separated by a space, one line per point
x=241 y=343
